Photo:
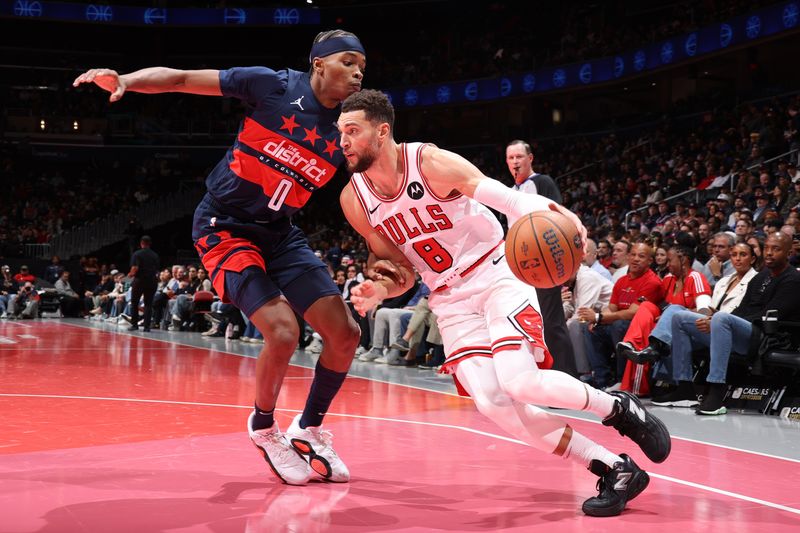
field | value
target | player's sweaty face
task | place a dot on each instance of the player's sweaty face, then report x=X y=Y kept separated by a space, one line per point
x=359 y=140
x=344 y=72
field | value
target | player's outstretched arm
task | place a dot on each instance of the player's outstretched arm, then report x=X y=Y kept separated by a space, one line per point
x=396 y=272
x=448 y=171
x=153 y=80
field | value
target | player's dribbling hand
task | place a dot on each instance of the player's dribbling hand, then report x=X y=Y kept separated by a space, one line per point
x=575 y=220
x=366 y=296
x=383 y=268
x=104 y=78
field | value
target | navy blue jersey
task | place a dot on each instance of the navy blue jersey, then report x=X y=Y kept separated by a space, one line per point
x=287 y=146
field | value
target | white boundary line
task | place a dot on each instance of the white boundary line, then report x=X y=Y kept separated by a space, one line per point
x=553 y=412
x=413 y=422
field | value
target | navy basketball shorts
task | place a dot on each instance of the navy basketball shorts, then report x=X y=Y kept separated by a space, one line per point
x=250 y=264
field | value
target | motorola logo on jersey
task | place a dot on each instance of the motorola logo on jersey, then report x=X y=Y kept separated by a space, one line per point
x=415 y=191
x=292 y=156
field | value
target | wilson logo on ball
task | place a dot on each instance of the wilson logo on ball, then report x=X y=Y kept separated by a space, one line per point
x=557 y=252
x=543 y=249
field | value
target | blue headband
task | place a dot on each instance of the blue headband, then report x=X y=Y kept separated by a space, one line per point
x=345 y=43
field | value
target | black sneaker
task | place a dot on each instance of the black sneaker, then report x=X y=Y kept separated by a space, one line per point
x=647 y=355
x=617 y=486
x=683 y=396
x=624 y=349
x=632 y=420
x=133 y=328
x=712 y=403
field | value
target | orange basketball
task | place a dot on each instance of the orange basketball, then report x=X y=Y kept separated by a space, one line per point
x=544 y=249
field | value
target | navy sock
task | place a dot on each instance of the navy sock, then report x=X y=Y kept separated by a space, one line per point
x=263 y=419
x=323 y=389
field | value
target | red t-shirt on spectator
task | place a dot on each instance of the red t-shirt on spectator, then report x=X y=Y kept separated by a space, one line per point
x=694 y=284
x=627 y=291
x=22 y=278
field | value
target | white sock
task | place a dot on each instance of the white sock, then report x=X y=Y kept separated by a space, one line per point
x=583 y=451
x=599 y=402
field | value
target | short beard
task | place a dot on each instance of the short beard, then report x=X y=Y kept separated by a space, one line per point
x=364 y=162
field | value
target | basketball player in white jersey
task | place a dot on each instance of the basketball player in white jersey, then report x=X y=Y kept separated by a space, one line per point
x=420 y=207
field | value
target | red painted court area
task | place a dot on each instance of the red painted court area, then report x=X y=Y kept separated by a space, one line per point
x=108 y=432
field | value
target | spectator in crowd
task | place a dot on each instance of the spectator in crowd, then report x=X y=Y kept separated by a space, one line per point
x=194 y=282
x=9 y=288
x=660 y=262
x=96 y=302
x=339 y=278
x=590 y=260
x=387 y=330
x=587 y=289
x=609 y=324
x=421 y=319
x=743 y=229
x=161 y=297
x=683 y=288
x=67 y=296
x=24 y=276
x=203 y=283
x=690 y=330
x=792 y=200
x=54 y=270
x=762 y=206
x=774 y=288
x=26 y=304
x=619 y=257
x=117 y=297
x=90 y=272
x=604 y=253
x=720 y=264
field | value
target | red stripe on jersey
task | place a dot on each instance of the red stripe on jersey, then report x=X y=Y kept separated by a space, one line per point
x=221 y=251
x=250 y=169
x=311 y=165
x=460 y=351
x=358 y=195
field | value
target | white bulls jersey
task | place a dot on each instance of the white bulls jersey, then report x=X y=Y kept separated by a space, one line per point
x=442 y=237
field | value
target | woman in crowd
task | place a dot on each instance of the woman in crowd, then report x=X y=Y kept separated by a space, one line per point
x=683 y=289
x=660 y=266
x=687 y=325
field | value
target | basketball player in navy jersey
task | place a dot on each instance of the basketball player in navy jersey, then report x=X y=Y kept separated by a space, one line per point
x=287 y=148
x=420 y=207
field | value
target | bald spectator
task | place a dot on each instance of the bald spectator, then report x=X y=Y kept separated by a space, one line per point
x=607 y=325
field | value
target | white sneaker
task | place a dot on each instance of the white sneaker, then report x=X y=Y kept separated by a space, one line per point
x=360 y=350
x=315 y=346
x=286 y=463
x=316 y=444
x=371 y=355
